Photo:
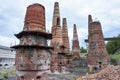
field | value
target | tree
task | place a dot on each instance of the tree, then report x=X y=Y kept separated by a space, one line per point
x=83 y=50
x=113 y=46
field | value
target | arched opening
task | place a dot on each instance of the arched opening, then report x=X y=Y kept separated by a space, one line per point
x=100 y=64
x=21 y=65
x=68 y=62
x=45 y=62
x=38 y=77
x=6 y=65
x=22 y=77
x=95 y=68
x=58 y=21
x=0 y=64
x=55 y=69
x=60 y=62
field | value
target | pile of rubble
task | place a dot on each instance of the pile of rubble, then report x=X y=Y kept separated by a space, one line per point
x=109 y=73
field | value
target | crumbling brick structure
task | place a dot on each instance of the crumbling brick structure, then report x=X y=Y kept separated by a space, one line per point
x=65 y=35
x=33 y=55
x=56 y=28
x=75 y=44
x=97 y=57
x=60 y=42
x=68 y=55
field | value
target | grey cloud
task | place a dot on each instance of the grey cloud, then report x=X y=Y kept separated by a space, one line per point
x=107 y=12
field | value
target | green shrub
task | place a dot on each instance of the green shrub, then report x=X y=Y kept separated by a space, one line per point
x=5 y=75
x=113 y=61
x=12 y=72
x=115 y=58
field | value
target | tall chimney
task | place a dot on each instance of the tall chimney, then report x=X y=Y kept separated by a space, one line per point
x=75 y=43
x=65 y=34
x=56 y=28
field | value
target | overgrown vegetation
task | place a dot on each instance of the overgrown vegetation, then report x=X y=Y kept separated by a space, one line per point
x=75 y=59
x=6 y=73
x=83 y=50
x=80 y=67
x=115 y=58
x=113 y=46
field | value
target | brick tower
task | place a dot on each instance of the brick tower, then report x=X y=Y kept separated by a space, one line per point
x=65 y=35
x=58 y=59
x=56 y=28
x=75 y=44
x=33 y=55
x=98 y=57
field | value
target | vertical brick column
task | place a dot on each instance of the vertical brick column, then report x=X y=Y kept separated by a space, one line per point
x=65 y=34
x=98 y=57
x=75 y=43
x=33 y=55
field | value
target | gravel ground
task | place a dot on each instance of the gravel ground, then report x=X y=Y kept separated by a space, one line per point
x=67 y=76
x=10 y=78
x=109 y=73
x=51 y=77
x=62 y=77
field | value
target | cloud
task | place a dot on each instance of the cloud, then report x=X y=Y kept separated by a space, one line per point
x=8 y=41
x=107 y=12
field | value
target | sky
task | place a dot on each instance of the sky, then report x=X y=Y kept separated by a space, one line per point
x=12 y=13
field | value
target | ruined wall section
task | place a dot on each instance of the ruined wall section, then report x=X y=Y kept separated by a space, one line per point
x=98 y=57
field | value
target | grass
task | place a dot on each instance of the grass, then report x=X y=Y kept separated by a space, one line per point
x=80 y=67
x=116 y=56
x=6 y=73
